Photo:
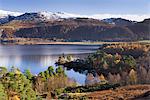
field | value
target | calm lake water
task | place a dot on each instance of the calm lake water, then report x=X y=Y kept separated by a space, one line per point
x=38 y=57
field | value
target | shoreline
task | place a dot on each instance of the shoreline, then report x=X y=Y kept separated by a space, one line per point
x=38 y=41
x=65 y=43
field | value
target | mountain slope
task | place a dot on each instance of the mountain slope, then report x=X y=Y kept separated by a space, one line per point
x=7 y=16
x=119 y=21
x=141 y=29
x=35 y=16
x=65 y=26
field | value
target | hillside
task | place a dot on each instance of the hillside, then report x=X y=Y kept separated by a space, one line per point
x=141 y=29
x=119 y=21
x=38 y=25
x=134 y=92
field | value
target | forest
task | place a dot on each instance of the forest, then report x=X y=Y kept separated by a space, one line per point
x=124 y=63
x=111 y=67
x=15 y=85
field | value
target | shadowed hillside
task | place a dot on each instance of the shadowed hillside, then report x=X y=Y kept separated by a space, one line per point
x=76 y=29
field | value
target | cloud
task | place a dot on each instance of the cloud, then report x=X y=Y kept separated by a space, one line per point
x=4 y=13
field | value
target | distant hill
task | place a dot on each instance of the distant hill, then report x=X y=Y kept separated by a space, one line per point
x=141 y=29
x=64 y=26
x=119 y=21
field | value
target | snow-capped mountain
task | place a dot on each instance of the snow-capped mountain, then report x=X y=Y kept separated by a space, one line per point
x=68 y=15
x=6 y=16
x=36 y=16
x=41 y=16
x=92 y=27
x=46 y=16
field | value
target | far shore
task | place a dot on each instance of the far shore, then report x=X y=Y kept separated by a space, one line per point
x=46 y=42
x=64 y=43
x=67 y=43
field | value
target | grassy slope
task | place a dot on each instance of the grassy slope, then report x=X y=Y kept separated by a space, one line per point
x=126 y=92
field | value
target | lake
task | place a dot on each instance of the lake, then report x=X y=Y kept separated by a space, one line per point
x=38 y=57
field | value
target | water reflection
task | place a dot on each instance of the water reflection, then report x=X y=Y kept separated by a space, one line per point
x=38 y=57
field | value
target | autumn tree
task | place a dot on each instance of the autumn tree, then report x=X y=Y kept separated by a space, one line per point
x=132 y=77
x=113 y=78
x=102 y=78
x=110 y=78
x=142 y=75
x=89 y=79
x=124 y=78
x=148 y=77
x=69 y=58
x=118 y=78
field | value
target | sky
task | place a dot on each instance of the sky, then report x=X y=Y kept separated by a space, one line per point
x=78 y=6
x=84 y=7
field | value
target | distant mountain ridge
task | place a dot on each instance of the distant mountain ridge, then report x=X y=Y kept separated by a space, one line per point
x=7 y=16
x=69 y=27
x=47 y=14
